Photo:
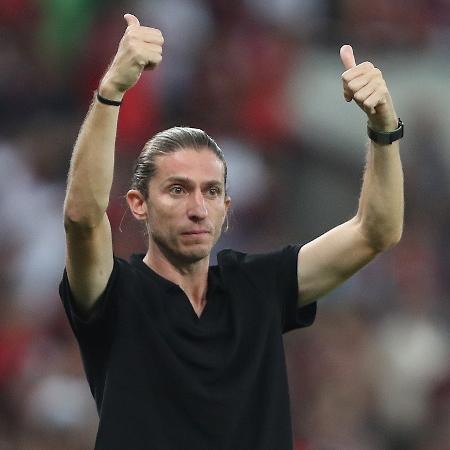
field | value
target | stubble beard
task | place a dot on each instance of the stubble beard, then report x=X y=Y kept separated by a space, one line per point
x=179 y=253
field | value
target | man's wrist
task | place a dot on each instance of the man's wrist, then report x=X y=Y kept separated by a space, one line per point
x=386 y=137
x=384 y=127
x=107 y=101
x=108 y=91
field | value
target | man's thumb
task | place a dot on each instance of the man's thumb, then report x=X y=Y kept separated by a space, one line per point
x=347 y=57
x=131 y=20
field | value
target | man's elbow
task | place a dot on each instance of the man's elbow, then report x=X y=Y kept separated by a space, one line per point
x=76 y=218
x=383 y=241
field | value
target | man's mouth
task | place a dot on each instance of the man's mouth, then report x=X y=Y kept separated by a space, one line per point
x=194 y=232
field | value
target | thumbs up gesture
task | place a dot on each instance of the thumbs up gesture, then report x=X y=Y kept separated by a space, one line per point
x=139 y=49
x=364 y=83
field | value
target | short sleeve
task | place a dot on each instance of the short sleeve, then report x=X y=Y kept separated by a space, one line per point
x=100 y=314
x=275 y=276
x=292 y=317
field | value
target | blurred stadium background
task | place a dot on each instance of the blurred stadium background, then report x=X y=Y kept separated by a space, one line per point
x=263 y=78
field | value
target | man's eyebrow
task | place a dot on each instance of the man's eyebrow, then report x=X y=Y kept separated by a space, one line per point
x=213 y=183
x=181 y=179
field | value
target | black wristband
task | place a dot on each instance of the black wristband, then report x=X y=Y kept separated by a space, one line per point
x=388 y=138
x=107 y=101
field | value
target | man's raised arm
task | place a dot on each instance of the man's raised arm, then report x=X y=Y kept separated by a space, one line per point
x=89 y=258
x=330 y=259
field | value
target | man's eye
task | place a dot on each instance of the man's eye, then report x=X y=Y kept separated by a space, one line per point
x=213 y=191
x=177 y=190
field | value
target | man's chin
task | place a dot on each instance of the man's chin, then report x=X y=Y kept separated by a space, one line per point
x=186 y=252
x=193 y=255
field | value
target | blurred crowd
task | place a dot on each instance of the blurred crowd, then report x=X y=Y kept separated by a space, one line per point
x=263 y=78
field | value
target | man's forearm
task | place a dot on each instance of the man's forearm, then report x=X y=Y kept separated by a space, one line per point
x=92 y=164
x=91 y=168
x=381 y=204
x=380 y=212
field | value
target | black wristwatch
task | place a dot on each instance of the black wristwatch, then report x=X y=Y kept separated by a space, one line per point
x=386 y=138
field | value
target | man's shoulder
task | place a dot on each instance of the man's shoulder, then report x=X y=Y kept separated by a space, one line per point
x=229 y=256
x=124 y=265
x=261 y=268
x=233 y=257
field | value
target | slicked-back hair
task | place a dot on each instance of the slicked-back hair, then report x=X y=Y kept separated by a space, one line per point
x=169 y=141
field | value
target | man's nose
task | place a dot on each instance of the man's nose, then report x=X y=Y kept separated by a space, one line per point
x=197 y=206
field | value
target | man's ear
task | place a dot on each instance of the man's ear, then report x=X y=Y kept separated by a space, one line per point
x=137 y=204
x=227 y=203
x=227 y=212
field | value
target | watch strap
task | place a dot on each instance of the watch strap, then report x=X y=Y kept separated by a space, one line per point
x=386 y=138
x=107 y=101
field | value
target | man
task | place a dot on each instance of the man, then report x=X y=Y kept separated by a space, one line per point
x=180 y=355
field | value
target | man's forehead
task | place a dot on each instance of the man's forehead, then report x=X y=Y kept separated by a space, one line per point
x=189 y=162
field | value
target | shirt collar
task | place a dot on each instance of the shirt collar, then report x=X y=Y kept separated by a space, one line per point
x=214 y=279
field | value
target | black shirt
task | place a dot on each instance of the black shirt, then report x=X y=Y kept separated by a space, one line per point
x=165 y=379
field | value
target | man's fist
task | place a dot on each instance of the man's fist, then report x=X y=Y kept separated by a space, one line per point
x=364 y=83
x=140 y=48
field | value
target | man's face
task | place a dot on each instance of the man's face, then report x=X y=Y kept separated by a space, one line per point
x=187 y=204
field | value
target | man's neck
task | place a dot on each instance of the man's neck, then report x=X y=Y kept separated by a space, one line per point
x=191 y=277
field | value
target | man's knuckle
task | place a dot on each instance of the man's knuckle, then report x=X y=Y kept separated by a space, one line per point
x=155 y=35
x=352 y=85
x=380 y=85
x=376 y=74
x=159 y=33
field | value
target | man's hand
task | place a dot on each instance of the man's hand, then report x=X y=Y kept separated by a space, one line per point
x=140 y=48
x=364 y=83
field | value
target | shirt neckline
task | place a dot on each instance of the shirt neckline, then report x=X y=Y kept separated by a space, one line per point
x=214 y=286
x=214 y=281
